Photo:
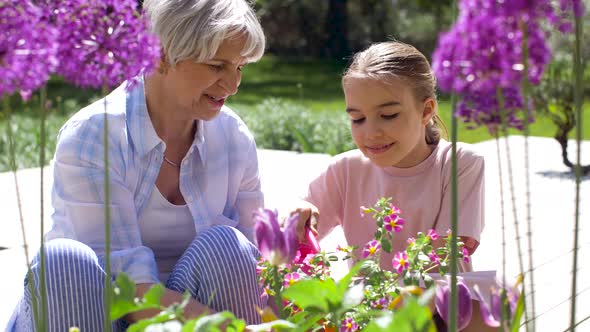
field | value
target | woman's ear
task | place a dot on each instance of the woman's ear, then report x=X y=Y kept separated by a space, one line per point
x=428 y=110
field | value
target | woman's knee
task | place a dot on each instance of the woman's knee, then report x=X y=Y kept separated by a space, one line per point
x=225 y=240
x=66 y=257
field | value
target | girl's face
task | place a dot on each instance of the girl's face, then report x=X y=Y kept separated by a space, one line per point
x=388 y=123
x=199 y=90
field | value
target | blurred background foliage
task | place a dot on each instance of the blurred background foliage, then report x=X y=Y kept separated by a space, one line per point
x=292 y=98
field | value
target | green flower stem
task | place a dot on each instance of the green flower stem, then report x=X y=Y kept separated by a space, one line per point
x=276 y=287
x=454 y=218
x=578 y=91
x=527 y=180
x=11 y=152
x=502 y=111
x=503 y=317
x=42 y=258
x=107 y=221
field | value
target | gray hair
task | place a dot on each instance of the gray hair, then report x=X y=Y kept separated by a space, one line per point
x=196 y=28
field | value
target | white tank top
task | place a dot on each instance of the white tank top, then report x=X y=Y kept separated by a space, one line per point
x=167 y=229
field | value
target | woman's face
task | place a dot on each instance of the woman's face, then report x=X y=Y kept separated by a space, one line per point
x=199 y=90
x=388 y=123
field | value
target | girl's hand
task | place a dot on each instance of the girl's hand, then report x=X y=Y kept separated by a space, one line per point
x=308 y=216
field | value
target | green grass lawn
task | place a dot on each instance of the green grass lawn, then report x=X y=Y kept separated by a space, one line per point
x=307 y=86
x=316 y=85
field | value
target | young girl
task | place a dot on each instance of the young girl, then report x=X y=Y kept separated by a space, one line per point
x=391 y=101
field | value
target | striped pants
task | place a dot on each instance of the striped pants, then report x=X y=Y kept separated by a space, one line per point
x=218 y=269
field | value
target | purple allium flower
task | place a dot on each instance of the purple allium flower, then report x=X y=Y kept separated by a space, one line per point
x=393 y=222
x=349 y=325
x=291 y=278
x=491 y=311
x=28 y=47
x=400 y=261
x=277 y=246
x=483 y=53
x=371 y=248
x=102 y=42
x=482 y=109
x=432 y=234
x=442 y=301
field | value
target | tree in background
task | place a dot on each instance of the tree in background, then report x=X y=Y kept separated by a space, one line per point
x=337 y=28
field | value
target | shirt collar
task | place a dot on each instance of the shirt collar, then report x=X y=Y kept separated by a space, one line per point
x=142 y=131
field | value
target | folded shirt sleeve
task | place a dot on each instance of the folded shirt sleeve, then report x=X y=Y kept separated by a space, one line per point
x=250 y=197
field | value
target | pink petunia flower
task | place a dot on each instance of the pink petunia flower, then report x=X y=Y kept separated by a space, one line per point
x=364 y=210
x=465 y=253
x=291 y=278
x=400 y=261
x=411 y=240
x=381 y=303
x=349 y=325
x=371 y=248
x=432 y=234
x=394 y=209
x=434 y=257
x=393 y=222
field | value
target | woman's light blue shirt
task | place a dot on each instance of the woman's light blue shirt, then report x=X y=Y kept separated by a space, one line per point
x=219 y=178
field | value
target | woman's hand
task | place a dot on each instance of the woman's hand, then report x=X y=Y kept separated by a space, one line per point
x=193 y=309
x=308 y=216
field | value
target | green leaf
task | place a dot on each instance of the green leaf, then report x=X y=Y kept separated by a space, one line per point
x=124 y=288
x=347 y=279
x=213 y=322
x=518 y=313
x=411 y=317
x=276 y=325
x=428 y=281
x=189 y=326
x=313 y=293
x=125 y=302
x=422 y=257
x=162 y=317
x=123 y=297
x=386 y=245
x=154 y=295
x=306 y=145
x=353 y=296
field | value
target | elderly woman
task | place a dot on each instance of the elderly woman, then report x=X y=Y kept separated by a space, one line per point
x=183 y=178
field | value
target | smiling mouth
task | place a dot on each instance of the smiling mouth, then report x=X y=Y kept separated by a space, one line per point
x=377 y=149
x=217 y=102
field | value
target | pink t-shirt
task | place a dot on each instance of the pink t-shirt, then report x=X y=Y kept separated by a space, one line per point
x=422 y=193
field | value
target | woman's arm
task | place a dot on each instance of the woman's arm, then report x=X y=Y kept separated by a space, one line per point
x=193 y=309
x=78 y=198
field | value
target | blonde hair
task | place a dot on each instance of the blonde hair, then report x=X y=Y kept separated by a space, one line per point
x=394 y=60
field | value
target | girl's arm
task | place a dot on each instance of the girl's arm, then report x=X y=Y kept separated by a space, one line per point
x=471 y=198
x=321 y=208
